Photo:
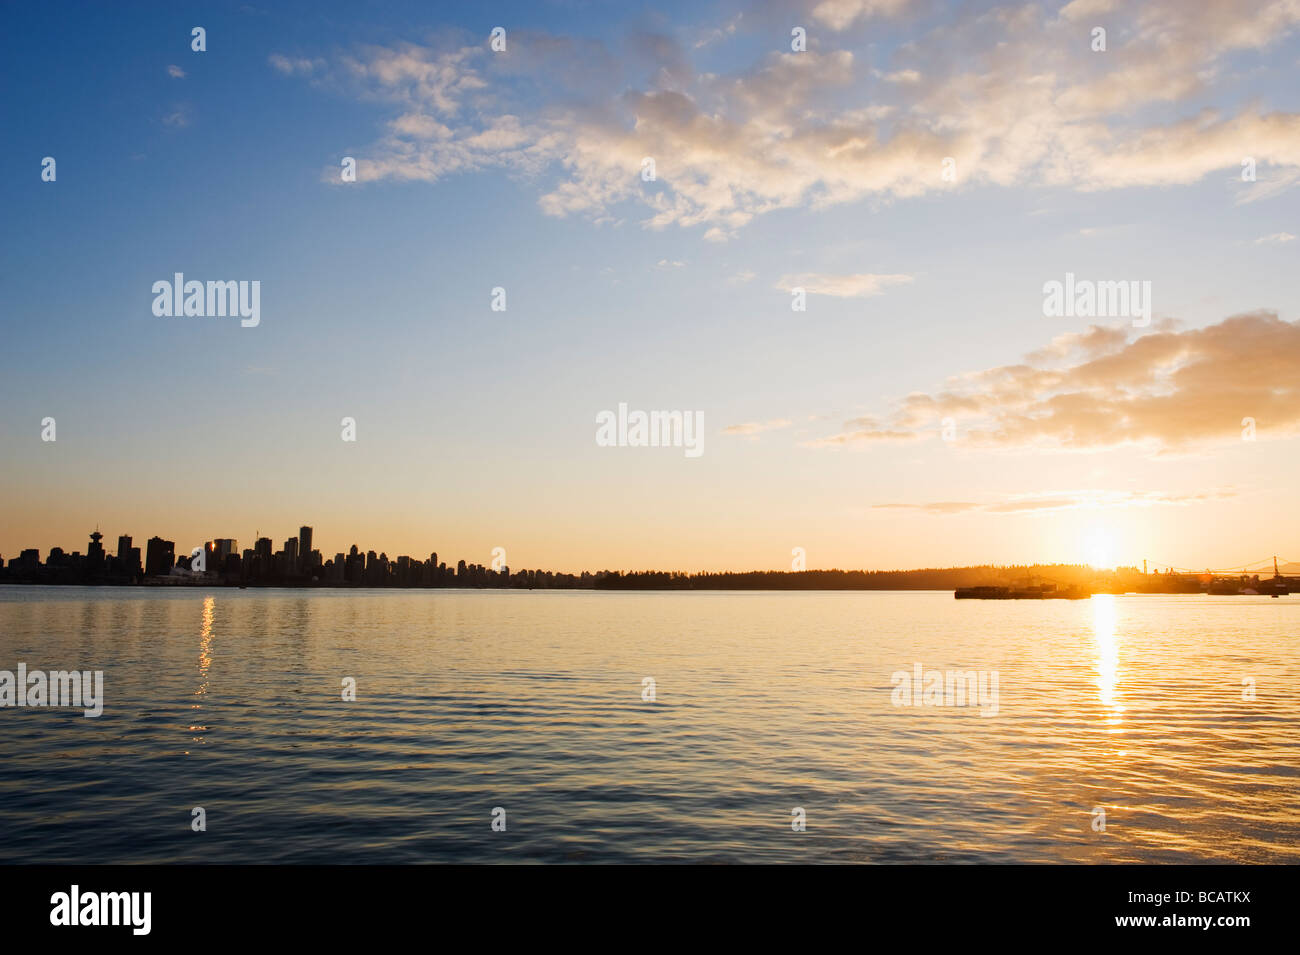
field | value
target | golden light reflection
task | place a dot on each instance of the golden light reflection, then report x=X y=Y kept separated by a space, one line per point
x=205 y=662
x=1103 y=628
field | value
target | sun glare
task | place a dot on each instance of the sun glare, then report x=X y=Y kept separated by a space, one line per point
x=1099 y=548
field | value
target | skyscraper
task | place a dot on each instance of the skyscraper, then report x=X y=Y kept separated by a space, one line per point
x=160 y=556
x=128 y=557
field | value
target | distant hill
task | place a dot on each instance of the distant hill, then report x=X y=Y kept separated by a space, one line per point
x=945 y=578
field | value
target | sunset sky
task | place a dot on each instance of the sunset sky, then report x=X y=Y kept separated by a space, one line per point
x=1072 y=438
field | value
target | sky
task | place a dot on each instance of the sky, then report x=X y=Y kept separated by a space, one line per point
x=921 y=170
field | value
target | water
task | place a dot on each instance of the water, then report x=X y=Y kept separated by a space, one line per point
x=532 y=702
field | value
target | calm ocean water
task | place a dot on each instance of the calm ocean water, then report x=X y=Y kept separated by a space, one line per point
x=532 y=702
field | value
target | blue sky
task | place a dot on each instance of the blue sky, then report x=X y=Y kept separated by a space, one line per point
x=476 y=427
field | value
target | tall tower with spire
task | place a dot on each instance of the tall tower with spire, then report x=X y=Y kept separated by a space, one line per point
x=95 y=552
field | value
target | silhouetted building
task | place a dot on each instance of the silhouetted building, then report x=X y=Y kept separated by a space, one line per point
x=356 y=566
x=27 y=560
x=160 y=557
x=95 y=553
x=127 y=563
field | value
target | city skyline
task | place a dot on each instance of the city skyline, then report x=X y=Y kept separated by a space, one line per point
x=298 y=561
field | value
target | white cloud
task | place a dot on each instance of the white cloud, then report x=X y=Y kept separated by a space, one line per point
x=1268 y=185
x=860 y=285
x=179 y=117
x=1081 y=9
x=842 y=14
x=295 y=66
x=1015 y=96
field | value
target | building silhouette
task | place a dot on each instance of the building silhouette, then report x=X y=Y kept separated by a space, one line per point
x=95 y=558
x=127 y=561
x=160 y=557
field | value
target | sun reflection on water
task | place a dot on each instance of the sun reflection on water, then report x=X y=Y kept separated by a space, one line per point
x=1103 y=627
x=205 y=662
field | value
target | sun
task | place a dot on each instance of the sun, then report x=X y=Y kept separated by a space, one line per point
x=1099 y=546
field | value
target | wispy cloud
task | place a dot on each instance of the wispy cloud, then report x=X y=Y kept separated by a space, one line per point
x=842 y=14
x=1269 y=184
x=860 y=285
x=752 y=428
x=175 y=72
x=1097 y=340
x=296 y=65
x=1277 y=238
x=861 y=437
x=179 y=117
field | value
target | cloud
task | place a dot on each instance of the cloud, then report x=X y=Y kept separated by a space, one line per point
x=1268 y=185
x=1277 y=238
x=419 y=126
x=178 y=118
x=902 y=76
x=1078 y=10
x=842 y=14
x=295 y=66
x=1014 y=95
x=860 y=285
x=435 y=81
x=720 y=33
x=175 y=72
x=752 y=428
x=1096 y=340
x=862 y=436
x=1169 y=390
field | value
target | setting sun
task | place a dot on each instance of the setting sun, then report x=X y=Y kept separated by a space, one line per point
x=1099 y=547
